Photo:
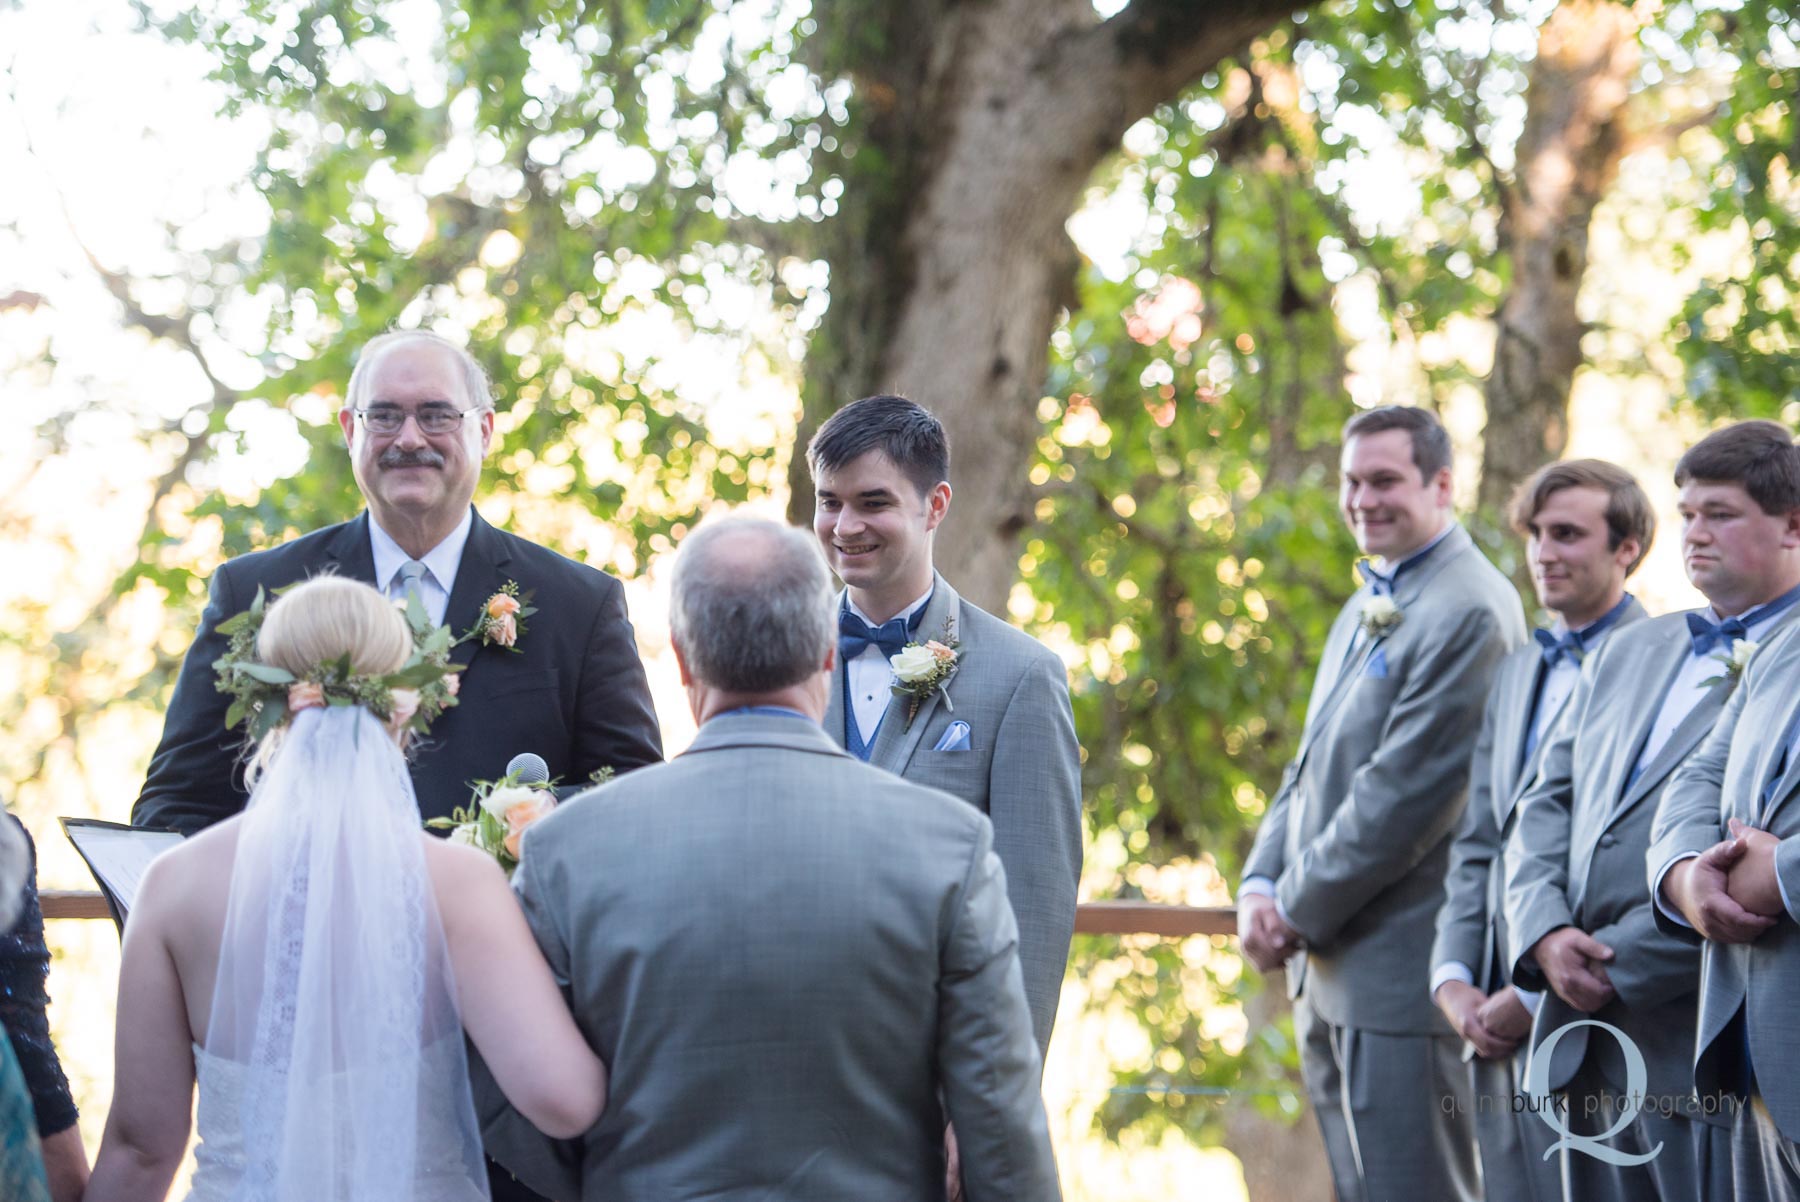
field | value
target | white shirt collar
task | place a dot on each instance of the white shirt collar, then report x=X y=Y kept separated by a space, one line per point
x=441 y=561
x=908 y=612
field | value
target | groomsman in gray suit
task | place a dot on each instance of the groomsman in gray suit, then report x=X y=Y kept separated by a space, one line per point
x=1347 y=873
x=998 y=733
x=1587 y=525
x=1583 y=925
x=793 y=964
x=1724 y=865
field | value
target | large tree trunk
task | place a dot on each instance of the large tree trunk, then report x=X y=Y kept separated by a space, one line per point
x=985 y=121
x=1568 y=156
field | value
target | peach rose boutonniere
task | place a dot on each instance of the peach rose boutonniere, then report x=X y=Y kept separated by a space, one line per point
x=501 y=622
x=921 y=669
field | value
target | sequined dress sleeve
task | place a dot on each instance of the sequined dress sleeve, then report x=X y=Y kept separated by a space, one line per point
x=24 y=1003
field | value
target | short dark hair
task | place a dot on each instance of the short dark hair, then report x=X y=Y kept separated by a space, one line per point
x=1430 y=441
x=1628 y=512
x=1758 y=455
x=904 y=431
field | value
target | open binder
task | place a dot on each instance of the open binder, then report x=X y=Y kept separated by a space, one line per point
x=117 y=855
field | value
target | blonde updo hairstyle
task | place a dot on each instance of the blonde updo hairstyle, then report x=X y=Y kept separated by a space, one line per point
x=320 y=622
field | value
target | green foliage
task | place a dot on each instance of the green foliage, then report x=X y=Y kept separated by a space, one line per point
x=544 y=172
x=1739 y=334
x=1188 y=533
x=548 y=173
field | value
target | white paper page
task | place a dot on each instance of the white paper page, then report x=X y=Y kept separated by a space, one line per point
x=119 y=857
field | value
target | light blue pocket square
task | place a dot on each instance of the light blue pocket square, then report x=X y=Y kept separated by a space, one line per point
x=1377 y=665
x=954 y=738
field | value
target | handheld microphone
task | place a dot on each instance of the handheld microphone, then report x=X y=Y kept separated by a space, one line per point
x=528 y=768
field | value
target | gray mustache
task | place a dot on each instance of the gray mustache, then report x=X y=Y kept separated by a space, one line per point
x=424 y=457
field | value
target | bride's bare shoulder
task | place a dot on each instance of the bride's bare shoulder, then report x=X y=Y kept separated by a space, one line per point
x=195 y=872
x=459 y=872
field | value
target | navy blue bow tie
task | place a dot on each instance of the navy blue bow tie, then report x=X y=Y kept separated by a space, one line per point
x=1555 y=649
x=1380 y=582
x=856 y=635
x=1707 y=635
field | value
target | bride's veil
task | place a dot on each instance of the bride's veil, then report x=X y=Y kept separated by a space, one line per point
x=334 y=992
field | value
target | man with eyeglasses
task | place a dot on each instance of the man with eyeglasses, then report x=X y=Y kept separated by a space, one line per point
x=418 y=421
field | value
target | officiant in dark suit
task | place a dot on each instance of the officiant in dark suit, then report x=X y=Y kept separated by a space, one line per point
x=565 y=683
x=418 y=420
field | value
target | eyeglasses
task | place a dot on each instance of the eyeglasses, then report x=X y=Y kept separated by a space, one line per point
x=432 y=419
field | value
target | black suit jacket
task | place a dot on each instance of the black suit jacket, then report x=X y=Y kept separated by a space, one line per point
x=574 y=693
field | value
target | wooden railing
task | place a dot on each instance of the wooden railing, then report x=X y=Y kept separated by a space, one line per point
x=1091 y=918
x=73 y=903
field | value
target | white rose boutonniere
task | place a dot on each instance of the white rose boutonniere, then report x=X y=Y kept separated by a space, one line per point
x=1380 y=616
x=1735 y=661
x=921 y=669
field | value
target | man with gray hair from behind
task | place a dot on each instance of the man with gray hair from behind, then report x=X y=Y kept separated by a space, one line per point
x=796 y=965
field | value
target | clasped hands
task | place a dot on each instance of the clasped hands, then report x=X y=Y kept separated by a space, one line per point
x=1263 y=935
x=1494 y=1024
x=1729 y=891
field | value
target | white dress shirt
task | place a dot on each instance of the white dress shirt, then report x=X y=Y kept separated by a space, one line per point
x=871 y=677
x=441 y=564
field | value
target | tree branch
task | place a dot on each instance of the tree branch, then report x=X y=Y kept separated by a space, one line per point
x=1150 y=52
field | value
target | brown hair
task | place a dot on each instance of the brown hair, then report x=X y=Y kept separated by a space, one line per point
x=1758 y=455
x=1430 y=441
x=1628 y=512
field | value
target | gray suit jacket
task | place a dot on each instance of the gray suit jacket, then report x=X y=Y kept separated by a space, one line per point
x=1577 y=858
x=1358 y=836
x=1754 y=982
x=1471 y=928
x=786 y=959
x=1022 y=769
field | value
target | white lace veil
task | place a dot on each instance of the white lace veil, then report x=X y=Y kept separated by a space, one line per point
x=334 y=991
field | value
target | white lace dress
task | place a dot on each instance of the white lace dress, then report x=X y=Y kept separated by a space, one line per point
x=219 y=1157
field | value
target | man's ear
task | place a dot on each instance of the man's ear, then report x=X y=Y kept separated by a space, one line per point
x=937 y=504
x=486 y=423
x=347 y=423
x=1444 y=484
x=1790 y=531
x=1627 y=553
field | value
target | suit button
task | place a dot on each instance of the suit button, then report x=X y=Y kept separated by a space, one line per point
x=1607 y=841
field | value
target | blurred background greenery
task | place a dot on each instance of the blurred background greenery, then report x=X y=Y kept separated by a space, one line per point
x=1144 y=258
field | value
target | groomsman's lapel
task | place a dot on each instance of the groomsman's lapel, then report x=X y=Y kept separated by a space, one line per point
x=895 y=742
x=1682 y=741
x=478 y=577
x=834 y=704
x=350 y=553
x=1340 y=688
x=1411 y=585
x=1513 y=729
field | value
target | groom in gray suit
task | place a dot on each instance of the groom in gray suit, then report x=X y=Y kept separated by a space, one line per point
x=1583 y=924
x=1587 y=526
x=998 y=733
x=794 y=965
x=1724 y=865
x=1347 y=873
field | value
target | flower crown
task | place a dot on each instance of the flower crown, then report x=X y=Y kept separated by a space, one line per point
x=264 y=696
